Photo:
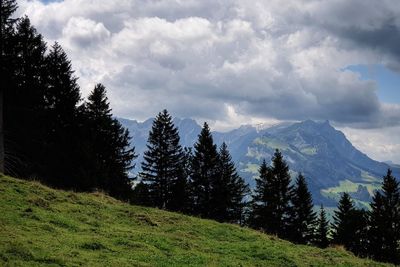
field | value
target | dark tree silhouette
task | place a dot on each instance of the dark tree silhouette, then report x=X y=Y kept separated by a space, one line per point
x=163 y=163
x=61 y=98
x=281 y=195
x=322 y=230
x=7 y=9
x=110 y=158
x=349 y=226
x=260 y=214
x=302 y=224
x=342 y=232
x=384 y=233
x=24 y=107
x=228 y=190
x=204 y=172
x=180 y=189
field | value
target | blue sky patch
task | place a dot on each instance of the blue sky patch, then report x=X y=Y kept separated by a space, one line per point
x=388 y=81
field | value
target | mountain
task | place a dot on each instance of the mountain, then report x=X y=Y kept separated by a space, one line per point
x=330 y=163
x=46 y=227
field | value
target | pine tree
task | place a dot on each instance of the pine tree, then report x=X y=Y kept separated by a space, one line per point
x=260 y=213
x=163 y=163
x=110 y=158
x=302 y=223
x=61 y=99
x=280 y=197
x=204 y=172
x=7 y=9
x=24 y=107
x=349 y=226
x=180 y=200
x=385 y=222
x=239 y=190
x=359 y=225
x=321 y=235
x=228 y=190
x=342 y=233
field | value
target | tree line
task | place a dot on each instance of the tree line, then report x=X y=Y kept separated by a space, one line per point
x=204 y=182
x=47 y=131
x=50 y=133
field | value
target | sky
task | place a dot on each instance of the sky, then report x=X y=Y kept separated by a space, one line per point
x=239 y=62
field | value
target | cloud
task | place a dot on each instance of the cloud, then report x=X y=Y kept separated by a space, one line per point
x=380 y=144
x=84 y=33
x=217 y=60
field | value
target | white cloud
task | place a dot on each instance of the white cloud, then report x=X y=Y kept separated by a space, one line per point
x=380 y=144
x=229 y=61
x=83 y=33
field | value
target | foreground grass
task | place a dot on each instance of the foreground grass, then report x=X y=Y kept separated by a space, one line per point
x=40 y=226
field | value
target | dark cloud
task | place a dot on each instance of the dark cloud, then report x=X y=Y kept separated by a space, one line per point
x=230 y=61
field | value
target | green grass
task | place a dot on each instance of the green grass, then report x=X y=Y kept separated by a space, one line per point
x=252 y=168
x=311 y=151
x=40 y=226
x=349 y=186
x=271 y=143
x=369 y=178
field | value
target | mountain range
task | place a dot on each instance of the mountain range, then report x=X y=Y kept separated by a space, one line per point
x=328 y=160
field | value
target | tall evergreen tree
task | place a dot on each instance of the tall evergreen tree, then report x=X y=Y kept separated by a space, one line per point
x=349 y=226
x=24 y=107
x=61 y=99
x=359 y=225
x=302 y=224
x=322 y=230
x=341 y=228
x=281 y=195
x=204 y=172
x=259 y=206
x=7 y=9
x=163 y=163
x=228 y=190
x=110 y=158
x=385 y=222
x=180 y=200
x=341 y=221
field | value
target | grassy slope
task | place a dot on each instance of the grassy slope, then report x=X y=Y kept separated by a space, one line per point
x=42 y=226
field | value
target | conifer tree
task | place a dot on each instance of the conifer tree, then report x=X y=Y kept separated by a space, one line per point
x=343 y=225
x=7 y=9
x=24 y=107
x=349 y=226
x=359 y=225
x=341 y=231
x=261 y=213
x=110 y=157
x=384 y=231
x=281 y=195
x=272 y=210
x=302 y=224
x=180 y=200
x=204 y=172
x=61 y=99
x=163 y=163
x=321 y=235
x=228 y=190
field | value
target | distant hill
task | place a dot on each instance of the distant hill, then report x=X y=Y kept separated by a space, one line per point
x=40 y=226
x=323 y=154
